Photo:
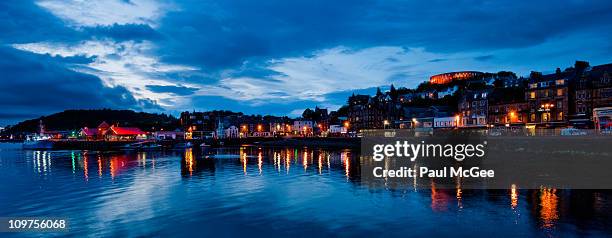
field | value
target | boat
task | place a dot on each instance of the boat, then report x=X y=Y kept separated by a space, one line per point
x=37 y=143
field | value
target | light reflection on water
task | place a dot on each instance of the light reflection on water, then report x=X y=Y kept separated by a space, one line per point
x=277 y=191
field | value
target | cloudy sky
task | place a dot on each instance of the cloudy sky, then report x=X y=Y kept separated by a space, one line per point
x=271 y=57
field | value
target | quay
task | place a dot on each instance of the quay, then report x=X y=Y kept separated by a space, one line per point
x=214 y=143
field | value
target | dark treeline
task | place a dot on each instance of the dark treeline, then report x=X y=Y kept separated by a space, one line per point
x=77 y=119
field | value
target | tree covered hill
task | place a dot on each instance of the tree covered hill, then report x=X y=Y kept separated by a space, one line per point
x=76 y=119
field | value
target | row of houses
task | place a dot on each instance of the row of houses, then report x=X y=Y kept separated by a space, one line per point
x=226 y=124
x=579 y=96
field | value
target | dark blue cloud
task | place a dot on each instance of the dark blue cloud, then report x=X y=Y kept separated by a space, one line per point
x=35 y=85
x=24 y=22
x=227 y=33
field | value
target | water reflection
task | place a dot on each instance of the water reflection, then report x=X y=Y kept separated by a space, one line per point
x=513 y=196
x=297 y=184
x=549 y=213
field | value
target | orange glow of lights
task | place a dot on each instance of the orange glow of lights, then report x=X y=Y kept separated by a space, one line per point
x=549 y=213
x=244 y=162
x=99 y=167
x=189 y=160
x=320 y=163
x=458 y=195
x=85 y=169
x=347 y=163
x=439 y=199
x=513 y=196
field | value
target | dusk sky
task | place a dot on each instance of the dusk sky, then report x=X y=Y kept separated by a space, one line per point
x=272 y=57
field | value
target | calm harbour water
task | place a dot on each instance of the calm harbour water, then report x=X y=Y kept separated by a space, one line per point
x=270 y=192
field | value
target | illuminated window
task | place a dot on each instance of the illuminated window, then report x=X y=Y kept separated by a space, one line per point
x=560 y=81
x=560 y=92
x=532 y=95
x=533 y=117
x=560 y=116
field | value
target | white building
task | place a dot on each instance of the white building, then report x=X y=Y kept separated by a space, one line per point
x=169 y=135
x=445 y=122
x=302 y=127
x=231 y=132
x=337 y=129
x=261 y=134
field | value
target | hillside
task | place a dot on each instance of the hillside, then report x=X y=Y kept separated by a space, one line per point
x=76 y=119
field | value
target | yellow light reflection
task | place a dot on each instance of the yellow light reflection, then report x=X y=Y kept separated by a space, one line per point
x=305 y=160
x=85 y=166
x=99 y=167
x=112 y=168
x=549 y=213
x=320 y=163
x=513 y=196
x=189 y=160
x=459 y=193
x=347 y=163
x=244 y=162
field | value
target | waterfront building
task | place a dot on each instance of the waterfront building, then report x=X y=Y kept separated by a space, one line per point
x=169 y=135
x=507 y=106
x=102 y=128
x=473 y=108
x=420 y=117
x=261 y=134
x=231 y=132
x=280 y=128
x=197 y=125
x=337 y=130
x=359 y=112
x=97 y=133
x=508 y=113
x=303 y=127
x=88 y=133
x=446 y=122
x=378 y=112
x=115 y=133
x=603 y=119
x=593 y=90
x=548 y=98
